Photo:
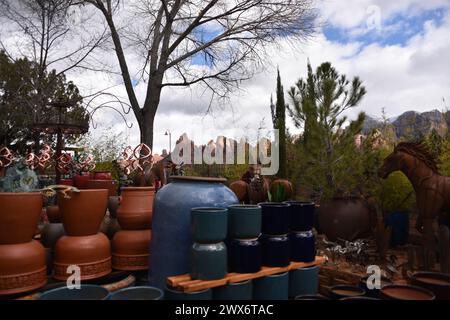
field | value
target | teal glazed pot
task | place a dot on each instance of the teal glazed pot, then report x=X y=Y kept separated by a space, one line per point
x=171 y=294
x=244 y=221
x=234 y=291
x=273 y=287
x=171 y=224
x=209 y=225
x=209 y=261
x=137 y=293
x=304 y=281
x=86 y=292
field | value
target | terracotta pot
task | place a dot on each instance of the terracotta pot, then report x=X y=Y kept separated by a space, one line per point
x=110 y=185
x=102 y=175
x=344 y=291
x=81 y=181
x=345 y=218
x=53 y=214
x=22 y=267
x=438 y=283
x=91 y=253
x=130 y=249
x=66 y=182
x=20 y=213
x=83 y=213
x=405 y=292
x=136 y=208
x=288 y=189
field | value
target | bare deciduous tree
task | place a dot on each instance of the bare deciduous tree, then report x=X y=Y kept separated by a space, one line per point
x=216 y=43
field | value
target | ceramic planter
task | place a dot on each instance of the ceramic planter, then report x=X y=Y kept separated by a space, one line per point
x=438 y=283
x=83 y=213
x=110 y=185
x=304 y=281
x=234 y=291
x=301 y=215
x=302 y=246
x=273 y=287
x=136 y=208
x=384 y=281
x=51 y=233
x=130 y=249
x=81 y=181
x=275 y=218
x=405 y=292
x=102 y=175
x=208 y=261
x=244 y=221
x=172 y=294
x=171 y=226
x=344 y=291
x=137 y=293
x=209 y=225
x=86 y=292
x=275 y=250
x=245 y=255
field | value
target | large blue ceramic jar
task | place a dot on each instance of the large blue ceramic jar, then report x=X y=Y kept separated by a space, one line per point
x=171 y=223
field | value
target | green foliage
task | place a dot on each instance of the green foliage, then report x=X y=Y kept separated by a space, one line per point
x=397 y=193
x=279 y=122
x=279 y=195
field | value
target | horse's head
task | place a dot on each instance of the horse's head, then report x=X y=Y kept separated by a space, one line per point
x=393 y=162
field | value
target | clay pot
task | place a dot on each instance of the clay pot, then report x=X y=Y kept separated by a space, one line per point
x=22 y=267
x=239 y=188
x=438 y=283
x=136 y=208
x=66 y=182
x=405 y=292
x=110 y=185
x=275 y=250
x=91 y=253
x=83 y=213
x=130 y=249
x=344 y=291
x=138 y=293
x=20 y=213
x=286 y=184
x=275 y=218
x=51 y=233
x=86 y=292
x=374 y=292
x=102 y=175
x=81 y=181
x=113 y=205
x=345 y=218
x=53 y=214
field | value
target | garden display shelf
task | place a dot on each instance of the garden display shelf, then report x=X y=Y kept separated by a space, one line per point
x=185 y=283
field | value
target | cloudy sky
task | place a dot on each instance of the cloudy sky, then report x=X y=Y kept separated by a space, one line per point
x=400 y=49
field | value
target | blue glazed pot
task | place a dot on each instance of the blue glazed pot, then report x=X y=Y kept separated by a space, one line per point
x=171 y=294
x=275 y=250
x=209 y=225
x=209 y=261
x=137 y=293
x=86 y=292
x=245 y=255
x=275 y=218
x=244 y=221
x=273 y=287
x=301 y=215
x=302 y=246
x=399 y=221
x=304 y=281
x=234 y=291
x=171 y=223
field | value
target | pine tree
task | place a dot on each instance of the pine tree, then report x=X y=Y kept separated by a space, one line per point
x=279 y=122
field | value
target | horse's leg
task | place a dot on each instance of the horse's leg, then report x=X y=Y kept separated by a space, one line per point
x=428 y=243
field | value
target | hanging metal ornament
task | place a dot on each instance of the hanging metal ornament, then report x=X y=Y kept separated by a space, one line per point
x=6 y=157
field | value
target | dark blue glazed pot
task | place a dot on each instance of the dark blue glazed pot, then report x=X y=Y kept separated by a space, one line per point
x=244 y=221
x=275 y=218
x=234 y=291
x=275 y=250
x=171 y=223
x=245 y=255
x=137 y=293
x=86 y=292
x=304 y=281
x=301 y=215
x=209 y=225
x=209 y=261
x=302 y=246
x=273 y=287
x=171 y=294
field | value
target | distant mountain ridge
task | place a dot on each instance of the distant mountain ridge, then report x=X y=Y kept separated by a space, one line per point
x=412 y=124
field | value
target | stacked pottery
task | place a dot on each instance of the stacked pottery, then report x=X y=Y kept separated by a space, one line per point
x=209 y=252
x=130 y=245
x=83 y=245
x=244 y=228
x=22 y=260
x=274 y=238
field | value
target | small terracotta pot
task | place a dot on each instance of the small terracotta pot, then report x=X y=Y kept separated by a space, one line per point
x=20 y=213
x=53 y=214
x=110 y=185
x=438 y=283
x=344 y=291
x=83 y=213
x=102 y=175
x=81 y=181
x=130 y=249
x=136 y=208
x=66 y=182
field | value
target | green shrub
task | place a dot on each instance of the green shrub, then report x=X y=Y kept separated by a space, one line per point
x=397 y=193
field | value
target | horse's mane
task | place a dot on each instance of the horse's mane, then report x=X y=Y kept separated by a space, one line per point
x=420 y=151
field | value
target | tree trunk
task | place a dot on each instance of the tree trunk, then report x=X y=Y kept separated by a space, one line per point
x=146 y=126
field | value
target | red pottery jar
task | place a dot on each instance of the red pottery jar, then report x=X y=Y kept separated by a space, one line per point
x=136 y=208
x=22 y=260
x=102 y=175
x=131 y=249
x=66 y=182
x=405 y=292
x=81 y=181
x=110 y=185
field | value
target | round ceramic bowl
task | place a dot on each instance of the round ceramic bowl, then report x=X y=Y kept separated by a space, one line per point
x=304 y=281
x=301 y=215
x=275 y=250
x=244 y=221
x=302 y=246
x=405 y=292
x=137 y=293
x=358 y=298
x=344 y=291
x=275 y=218
x=86 y=292
x=311 y=297
x=438 y=283
x=209 y=225
x=171 y=294
x=208 y=261
x=373 y=291
x=245 y=255
x=273 y=287
x=234 y=291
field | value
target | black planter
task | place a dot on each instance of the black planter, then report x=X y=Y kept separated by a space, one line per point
x=275 y=250
x=275 y=218
x=301 y=215
x=245 y=256
x=302 y=246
